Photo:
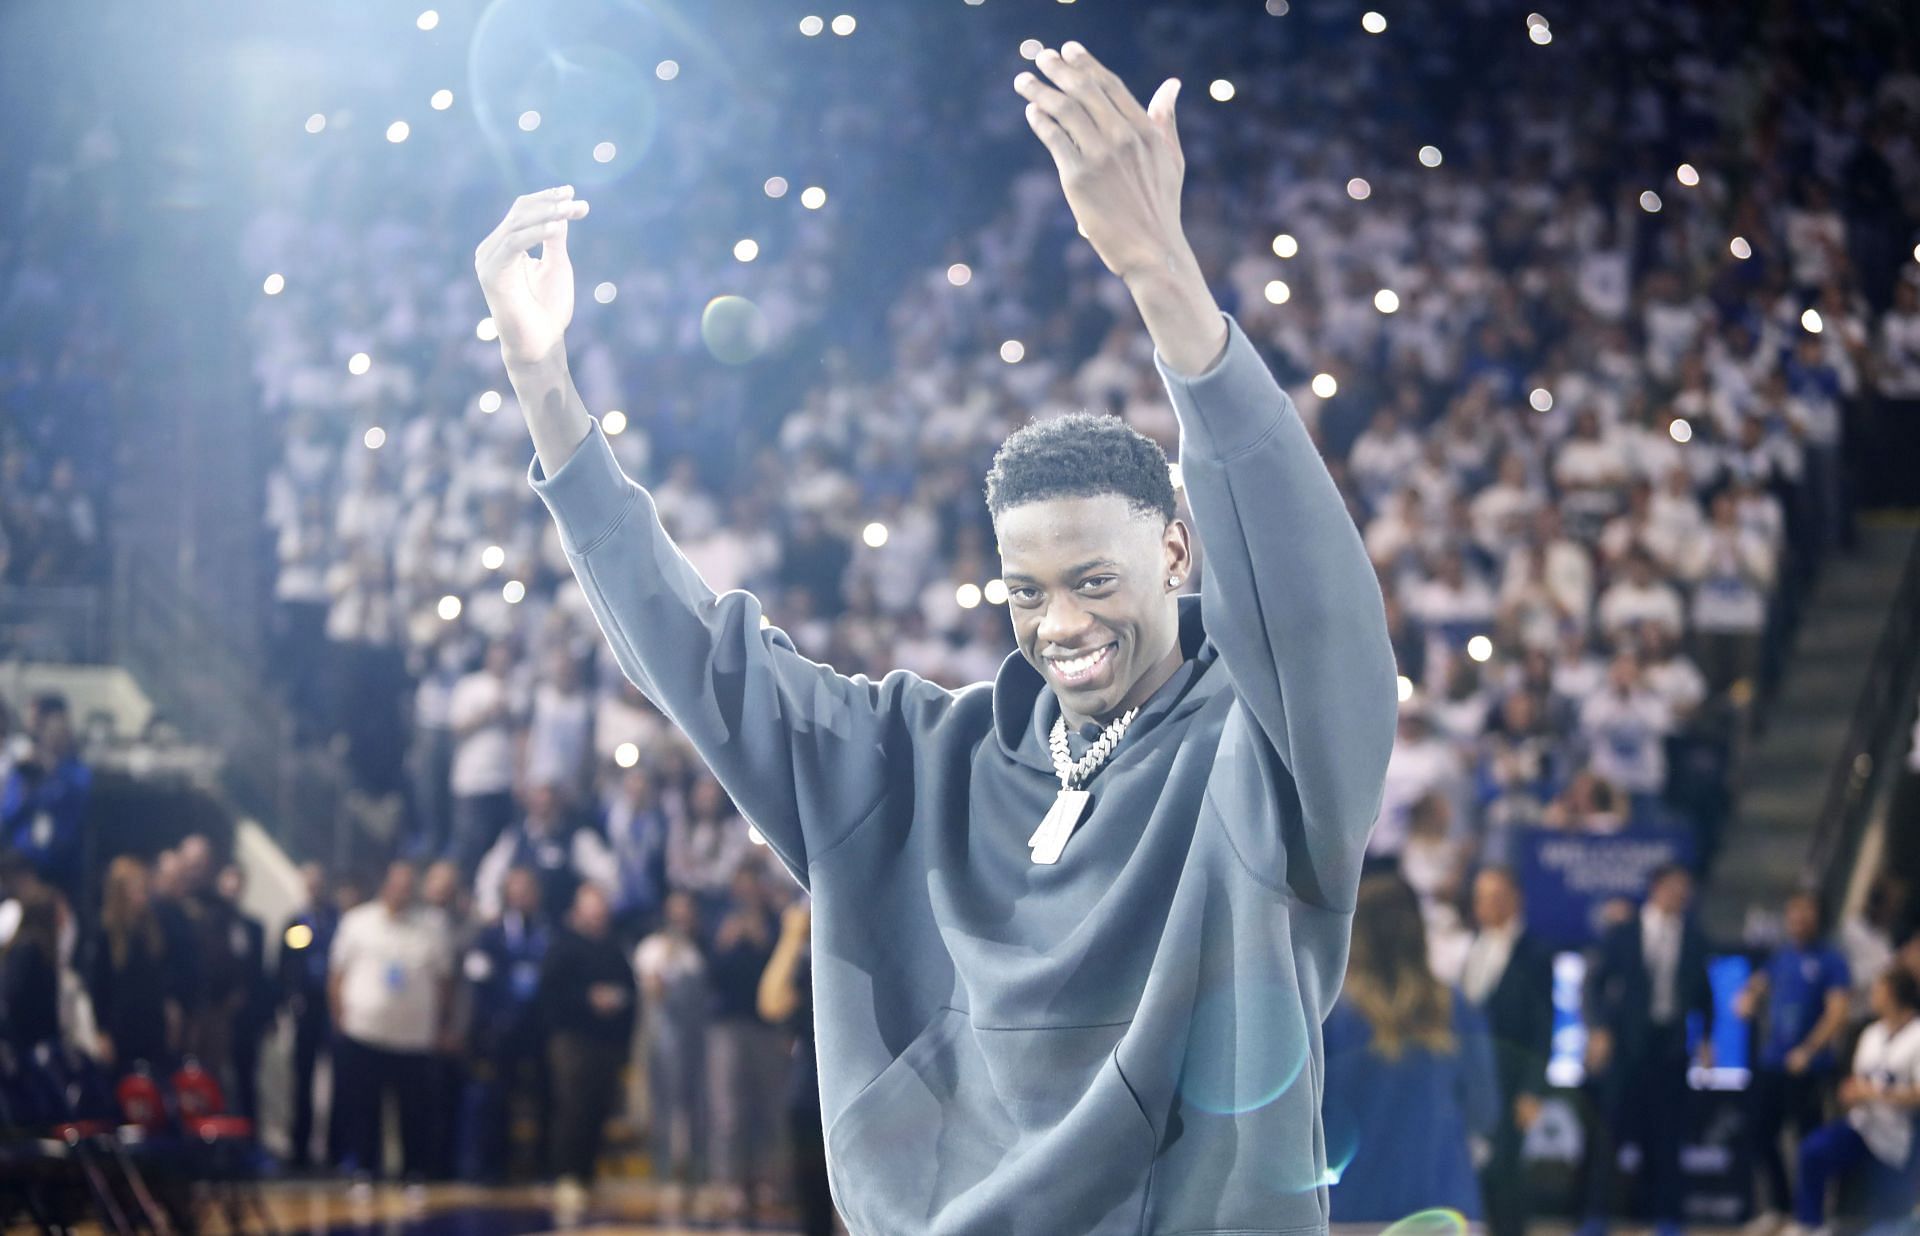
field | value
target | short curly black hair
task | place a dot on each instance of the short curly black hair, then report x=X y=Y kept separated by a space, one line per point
x=1080 y=455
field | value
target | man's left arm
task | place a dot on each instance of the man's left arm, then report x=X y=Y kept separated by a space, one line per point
x=1291 y=600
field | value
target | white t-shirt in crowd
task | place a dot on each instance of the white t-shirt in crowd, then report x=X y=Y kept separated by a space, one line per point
x=483 y=760
x=391 y=969
x=1887 y=1059
x=1627 y=736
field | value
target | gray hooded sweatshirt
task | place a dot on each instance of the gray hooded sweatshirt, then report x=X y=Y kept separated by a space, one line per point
x=1126 y=1041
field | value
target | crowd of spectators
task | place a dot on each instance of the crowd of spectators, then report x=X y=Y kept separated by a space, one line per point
x=63 y=349
x=1599 y=421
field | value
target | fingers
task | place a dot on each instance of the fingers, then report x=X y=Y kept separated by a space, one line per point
x=1078 y=81
x=1066 y=113
x=1052 y=135
x=530 y=221
x=1160 y=107
x=1108 y=81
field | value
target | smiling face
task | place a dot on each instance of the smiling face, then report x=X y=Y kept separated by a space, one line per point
x=1088 y=594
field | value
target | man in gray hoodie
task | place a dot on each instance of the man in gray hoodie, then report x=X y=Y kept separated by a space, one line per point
x=1075 y=929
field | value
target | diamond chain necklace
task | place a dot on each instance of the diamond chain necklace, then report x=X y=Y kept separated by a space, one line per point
x=1072 y=774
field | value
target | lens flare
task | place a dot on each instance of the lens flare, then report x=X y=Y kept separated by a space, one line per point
x=734 y=329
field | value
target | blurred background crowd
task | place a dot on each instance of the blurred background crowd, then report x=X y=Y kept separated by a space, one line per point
x=1608 y=329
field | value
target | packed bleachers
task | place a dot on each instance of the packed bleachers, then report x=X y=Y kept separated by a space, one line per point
x=1603 y=359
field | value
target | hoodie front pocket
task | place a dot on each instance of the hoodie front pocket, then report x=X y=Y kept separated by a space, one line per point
x=946 y=1142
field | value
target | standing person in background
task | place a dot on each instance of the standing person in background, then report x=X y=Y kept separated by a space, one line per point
x=210 y=1025
x=445 y=899
x=745 y=1060
x=482 y=712
x=786 y=1000
x=636 y=829
x=1648 y=977
x=430 y=754
x=559 y=746
x=304 y=949
x=1880 y=1100
x=1801 y=997
x=1509 y=978
x=503 y=968
x=30 y=975
x=1410 y=1082
x=43 y=802
x=390 y=989
x=183 y=946
x=249 y=1004
x=130 y=975
x=587 y=996
x=561 y=851
x=706 y=843
x=1868 y=937
x=677 y=1003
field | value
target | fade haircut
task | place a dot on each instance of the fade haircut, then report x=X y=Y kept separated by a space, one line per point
x=1080 y=455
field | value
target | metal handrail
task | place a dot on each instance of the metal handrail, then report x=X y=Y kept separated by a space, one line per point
x=1882 y=701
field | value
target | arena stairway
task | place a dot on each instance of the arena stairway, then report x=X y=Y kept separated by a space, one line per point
x=1786 y=771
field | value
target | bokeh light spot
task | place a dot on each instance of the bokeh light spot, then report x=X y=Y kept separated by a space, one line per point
x=734 y=329
x=1277 y=292
x=959 y=274
x=274 y=284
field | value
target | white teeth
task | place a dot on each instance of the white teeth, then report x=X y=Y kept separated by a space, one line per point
x=1079 y=666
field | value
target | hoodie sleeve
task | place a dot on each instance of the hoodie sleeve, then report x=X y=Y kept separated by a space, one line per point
x=1291 y=603
x=802 y=750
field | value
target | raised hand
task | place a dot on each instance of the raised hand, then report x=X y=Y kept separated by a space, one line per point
x=1120 y=164
x=531 y=300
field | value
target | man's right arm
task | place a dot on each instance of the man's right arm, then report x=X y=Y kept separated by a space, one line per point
x=803 y=751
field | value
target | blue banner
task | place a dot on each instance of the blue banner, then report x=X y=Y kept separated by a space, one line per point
x=1568 y=877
